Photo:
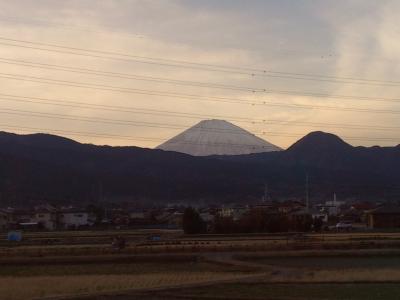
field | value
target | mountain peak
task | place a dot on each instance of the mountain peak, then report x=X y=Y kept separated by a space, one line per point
x=42 y=139
x=217 y=137
x=319 y=140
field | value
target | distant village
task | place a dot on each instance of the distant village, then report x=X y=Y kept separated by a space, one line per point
x=271 y=216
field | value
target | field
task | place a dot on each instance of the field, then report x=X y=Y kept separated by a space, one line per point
x=335 y=262
x=291 y=291
x=173 y=241
x=348 y=266
x=41 y=280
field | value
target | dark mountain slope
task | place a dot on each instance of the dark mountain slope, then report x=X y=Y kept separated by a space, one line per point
x=41 y=167
x=121 y=172
x=334 y=165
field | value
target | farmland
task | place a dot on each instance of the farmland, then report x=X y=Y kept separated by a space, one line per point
x=304 y=266
x=173 y=241
x=292 y=291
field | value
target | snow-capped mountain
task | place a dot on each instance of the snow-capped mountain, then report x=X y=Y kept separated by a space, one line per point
x=217 y=137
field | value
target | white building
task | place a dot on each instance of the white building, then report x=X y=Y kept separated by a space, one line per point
x=332 y=208
x=46 y=219
x=72 y=218
x=234 y=212
x=207 y=217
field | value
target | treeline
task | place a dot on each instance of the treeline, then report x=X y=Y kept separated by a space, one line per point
x=254 y=221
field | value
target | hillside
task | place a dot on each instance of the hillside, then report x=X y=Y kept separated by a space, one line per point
x=37 y=168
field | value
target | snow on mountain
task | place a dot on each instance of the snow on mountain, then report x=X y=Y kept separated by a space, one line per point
x=217 y=137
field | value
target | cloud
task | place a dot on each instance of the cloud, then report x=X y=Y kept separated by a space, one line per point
x=341 y=38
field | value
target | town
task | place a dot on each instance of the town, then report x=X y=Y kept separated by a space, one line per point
x=272 y=216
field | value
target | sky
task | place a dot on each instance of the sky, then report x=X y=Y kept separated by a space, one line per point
x=130 y=72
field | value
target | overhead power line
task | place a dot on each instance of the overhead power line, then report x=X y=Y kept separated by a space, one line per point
x=161 y=125
x=118 y=75
x=175 y=114
x=190 y=83
x=196 y=65
x=124 y=109
x=123 y=137
x=119 y=58
x=181 y=96
x=129 y=138
x=126 y=76
x=111 y=121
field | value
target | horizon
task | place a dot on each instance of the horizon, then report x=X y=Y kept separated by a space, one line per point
x=156 y=147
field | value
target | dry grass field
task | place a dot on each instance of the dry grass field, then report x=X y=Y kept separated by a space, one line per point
x=261 y=291
x=261 y=265
x=256 y=277
x=21 y=282
x=31 y=287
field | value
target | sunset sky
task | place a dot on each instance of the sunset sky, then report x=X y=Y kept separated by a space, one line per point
x=287 y=68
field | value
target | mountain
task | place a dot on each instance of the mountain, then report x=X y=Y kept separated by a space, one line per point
x=41 y=168
x=45 y=168
x=317 y=142
x=217 y=137
x=332 y=166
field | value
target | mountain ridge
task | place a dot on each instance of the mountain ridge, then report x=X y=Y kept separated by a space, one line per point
x=33 y=169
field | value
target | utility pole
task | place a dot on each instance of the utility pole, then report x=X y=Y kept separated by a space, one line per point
x=307 y=194
x=266 y=193
x=100 y=186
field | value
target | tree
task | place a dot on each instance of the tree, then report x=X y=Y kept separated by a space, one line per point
x=97 y=211
x=318 y=223
x=192 y=223
x=224 y=225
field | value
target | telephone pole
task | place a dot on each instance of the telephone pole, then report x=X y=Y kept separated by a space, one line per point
x=307 y=194
x=266 y=193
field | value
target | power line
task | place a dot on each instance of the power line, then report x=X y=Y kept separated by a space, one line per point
x=126 y=76
x=111 y=121
x=160 y=125
x=124 y=89
x=203 y=66
x=123 y=59
x=127 y=109
x=221 y=99
x=180 y=82
x=130 y=138
x=187 y=83
x=187 y=96
x=180 y=63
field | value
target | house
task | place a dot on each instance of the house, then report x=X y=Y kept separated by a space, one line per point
x=387 y=216
x=137 y=215
x=73 y=218
x=235 y=212
x=4 y=220
x=163 y=217
x=19 y=217
x=362 y=206
x=318 y=214
x=46 y=218
x=351 y=215
x=175 y=219
x=332 y=208
x=207 y=217
x=290 y=206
